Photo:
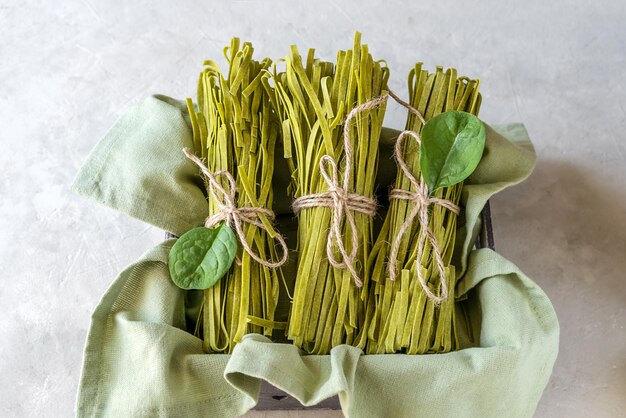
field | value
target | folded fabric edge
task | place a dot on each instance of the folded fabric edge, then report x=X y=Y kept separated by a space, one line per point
x=126 y=203
x=477 y=191
x=93 y=397
x=310 y=379
x=138 y=123
x=490 y=264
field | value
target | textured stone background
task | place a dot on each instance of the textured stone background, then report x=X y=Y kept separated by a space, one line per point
x=68 y=69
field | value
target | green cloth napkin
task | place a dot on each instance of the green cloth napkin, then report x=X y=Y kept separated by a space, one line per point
x=140 y=361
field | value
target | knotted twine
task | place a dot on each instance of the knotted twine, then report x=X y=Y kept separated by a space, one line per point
x=227 y=211
x=343 y=202
x=421 y=200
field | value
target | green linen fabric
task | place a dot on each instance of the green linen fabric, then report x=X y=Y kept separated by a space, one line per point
x=139 y=360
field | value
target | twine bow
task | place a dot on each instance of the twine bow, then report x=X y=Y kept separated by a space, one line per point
x=420 y=198
x=343 y=202
x=421 y=201
x=227 y=211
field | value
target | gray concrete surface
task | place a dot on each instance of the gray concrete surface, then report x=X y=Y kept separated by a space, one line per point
x=68 y=69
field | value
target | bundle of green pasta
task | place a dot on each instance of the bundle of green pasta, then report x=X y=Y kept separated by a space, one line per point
x=235 y=130
x=332 y=175
x=405 y=317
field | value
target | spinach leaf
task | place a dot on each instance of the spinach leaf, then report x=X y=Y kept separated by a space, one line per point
x=452 y=146
x=202 y=256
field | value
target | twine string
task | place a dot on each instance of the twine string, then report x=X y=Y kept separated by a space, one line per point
x=421 y=200
x=343 y=202
x=235 y=217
